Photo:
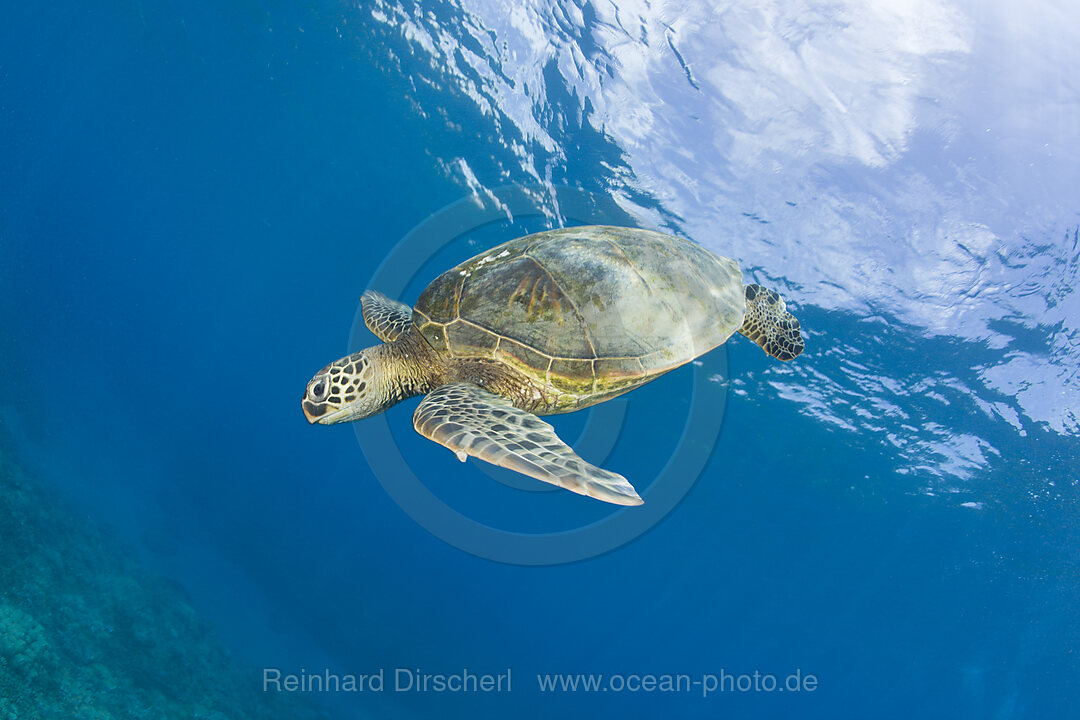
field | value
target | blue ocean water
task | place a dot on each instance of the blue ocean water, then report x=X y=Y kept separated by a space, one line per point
x=193 y=197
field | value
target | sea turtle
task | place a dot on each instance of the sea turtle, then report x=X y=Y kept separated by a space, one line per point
x=547 y=323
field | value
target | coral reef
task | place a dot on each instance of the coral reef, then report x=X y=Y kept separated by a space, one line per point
x=88 y=634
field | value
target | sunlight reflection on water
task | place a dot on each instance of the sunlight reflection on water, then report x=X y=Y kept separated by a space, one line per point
x=905 y=165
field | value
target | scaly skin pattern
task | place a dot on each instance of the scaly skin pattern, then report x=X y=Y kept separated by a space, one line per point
x=770 y=325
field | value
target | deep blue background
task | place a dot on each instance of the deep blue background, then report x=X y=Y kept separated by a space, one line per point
x=191 y=201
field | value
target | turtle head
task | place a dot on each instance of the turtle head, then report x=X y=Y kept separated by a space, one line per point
x=352 y=388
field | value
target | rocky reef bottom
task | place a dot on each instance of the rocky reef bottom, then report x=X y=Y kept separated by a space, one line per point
x=88 y=633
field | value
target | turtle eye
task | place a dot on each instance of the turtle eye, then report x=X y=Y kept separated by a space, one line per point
x=319 y=391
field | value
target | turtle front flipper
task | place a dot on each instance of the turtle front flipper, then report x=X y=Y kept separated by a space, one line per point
x=472 y=421
x=385 y=317
x=770 y=325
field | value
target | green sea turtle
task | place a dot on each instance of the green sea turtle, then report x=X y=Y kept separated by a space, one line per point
x=548 y=323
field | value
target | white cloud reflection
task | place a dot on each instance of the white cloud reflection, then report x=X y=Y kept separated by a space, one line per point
x=906 y=162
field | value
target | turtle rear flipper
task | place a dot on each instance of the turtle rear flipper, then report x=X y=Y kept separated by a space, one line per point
x=472 y=421
x=770 y=325
x=385 y=317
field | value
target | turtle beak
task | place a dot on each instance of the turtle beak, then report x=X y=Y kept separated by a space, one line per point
x=313 y=412
x=322 y=413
